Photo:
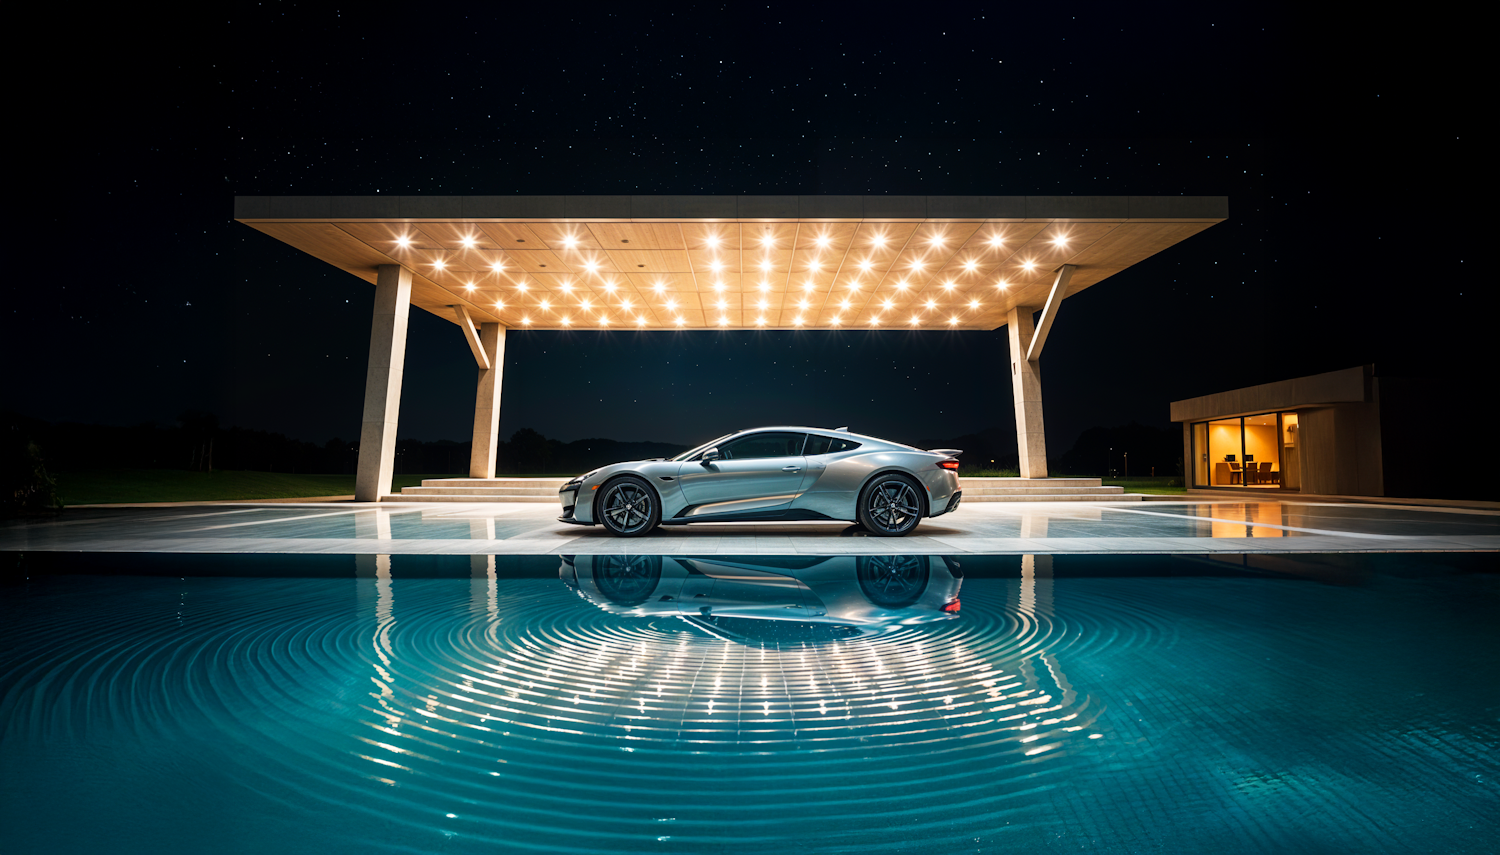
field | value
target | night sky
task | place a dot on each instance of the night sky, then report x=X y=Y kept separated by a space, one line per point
x=1348 y=148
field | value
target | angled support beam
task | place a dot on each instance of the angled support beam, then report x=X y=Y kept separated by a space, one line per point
x=471 y=335
x=1026 y=386
x=487 y=402
x=377 y=433
x=1049 y=311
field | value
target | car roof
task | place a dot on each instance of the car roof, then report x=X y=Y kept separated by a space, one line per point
x=805 y=429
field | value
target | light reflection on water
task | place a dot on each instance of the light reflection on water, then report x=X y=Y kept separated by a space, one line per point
x=630 y=702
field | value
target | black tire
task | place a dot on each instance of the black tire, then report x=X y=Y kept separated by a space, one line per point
x=627 y=580
x=892 y=581
x=628 y=507
x=890 y=505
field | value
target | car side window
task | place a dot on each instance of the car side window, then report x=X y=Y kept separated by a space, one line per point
x=828 y=445
x=761 y=445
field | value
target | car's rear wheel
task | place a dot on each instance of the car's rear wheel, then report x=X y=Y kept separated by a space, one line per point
x=890 y=506
x=628 y=507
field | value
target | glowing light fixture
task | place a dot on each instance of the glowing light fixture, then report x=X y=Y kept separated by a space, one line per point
x=469 y=287
x=915 y=320
x=763 y=305
x=953 y=321
x=1060 y=240
x=567 y=287
x=640 y=320
x=570 y=241
x=802 y=304
x=566 y=321
x=546 y=304
x=973 y=304
x=760 y=321
x=521 y=286
x=713 y=240
x=901 y=285
x=403 y=241
x=1029 y=265
x=439 y=264
x=948 y=285
x=822 y=240
x=835 y=320
x=671 y=304
x=526 y=320
x=716 y=266
x=659 y=287
x=878 y=240
x=1002 y=284
x=997 y=240
x=497 y=266
x=765 y=265
x=932 y=304
x=679 y=320
x=970 y=265
x=765 y=287
x=723 y=320
x=499 y=304
x=886 y=305
x=625 y=304
x=468 y=241
x=591 y=266
x=723 y=304
x=844 y=304
x=585 y=305
x=866 y=265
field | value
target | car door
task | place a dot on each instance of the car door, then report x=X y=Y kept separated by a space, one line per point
x=756 y=472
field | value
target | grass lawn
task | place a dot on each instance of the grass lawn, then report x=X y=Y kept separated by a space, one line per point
x=108 y=486
x=1159 y=486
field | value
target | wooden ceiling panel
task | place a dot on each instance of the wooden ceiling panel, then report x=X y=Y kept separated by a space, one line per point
x=611 y=236
x=537 y=261
x=328 y=242
x=650 y=260
x=722 y=237
x=513 y=235
x=563 y=236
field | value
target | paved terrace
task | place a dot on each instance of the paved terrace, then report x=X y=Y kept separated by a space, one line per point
x=1193 y=526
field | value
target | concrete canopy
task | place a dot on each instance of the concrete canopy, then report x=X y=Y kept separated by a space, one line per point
x=733 y=262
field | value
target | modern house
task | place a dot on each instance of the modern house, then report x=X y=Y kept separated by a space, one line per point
x=1346 y=432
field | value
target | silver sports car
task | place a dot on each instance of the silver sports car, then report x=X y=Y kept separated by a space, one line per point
x=771 y=473
x=769 y=598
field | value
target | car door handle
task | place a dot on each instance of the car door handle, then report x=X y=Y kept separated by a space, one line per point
x=791 y=469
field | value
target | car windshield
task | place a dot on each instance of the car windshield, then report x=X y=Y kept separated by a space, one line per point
x=686 y=455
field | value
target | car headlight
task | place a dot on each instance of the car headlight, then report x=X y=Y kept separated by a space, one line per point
x=578 y=482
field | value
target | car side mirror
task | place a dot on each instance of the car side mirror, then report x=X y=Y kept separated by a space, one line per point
x=710 y=455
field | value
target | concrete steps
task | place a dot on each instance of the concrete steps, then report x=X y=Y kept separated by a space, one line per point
x=1042 y=490
x=530 y=490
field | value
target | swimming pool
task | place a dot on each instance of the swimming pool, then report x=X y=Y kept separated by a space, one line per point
x=476 y=704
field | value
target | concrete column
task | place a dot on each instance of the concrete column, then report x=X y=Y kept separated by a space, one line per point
x=377 y=434
x=487 y=403
x=1026 y=388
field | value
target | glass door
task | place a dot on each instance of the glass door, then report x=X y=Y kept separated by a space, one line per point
x=1244 y=452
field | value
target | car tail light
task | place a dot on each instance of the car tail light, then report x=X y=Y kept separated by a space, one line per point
x=950 y=463
x=952 y=606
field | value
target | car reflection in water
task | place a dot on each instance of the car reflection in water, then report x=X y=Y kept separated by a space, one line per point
x=772 y=599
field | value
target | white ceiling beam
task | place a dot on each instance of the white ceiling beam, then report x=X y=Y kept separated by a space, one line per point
x=471 y=333
x=1049 y=311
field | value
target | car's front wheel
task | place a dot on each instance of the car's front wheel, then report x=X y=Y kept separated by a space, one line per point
x=627 y=507
x=890 y=506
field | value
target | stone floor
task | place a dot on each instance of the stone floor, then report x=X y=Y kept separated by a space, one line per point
x=1191 y=526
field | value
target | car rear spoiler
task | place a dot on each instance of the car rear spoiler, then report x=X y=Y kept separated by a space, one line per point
x=951 y=452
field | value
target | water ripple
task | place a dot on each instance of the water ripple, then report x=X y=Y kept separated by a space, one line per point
x=518 y=713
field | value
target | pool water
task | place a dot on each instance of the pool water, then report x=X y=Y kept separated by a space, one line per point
x=1023 y=703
